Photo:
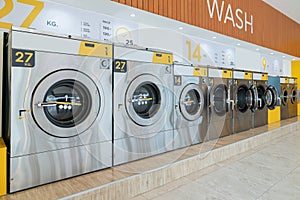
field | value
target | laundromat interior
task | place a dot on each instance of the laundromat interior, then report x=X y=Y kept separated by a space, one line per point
x=150 y=99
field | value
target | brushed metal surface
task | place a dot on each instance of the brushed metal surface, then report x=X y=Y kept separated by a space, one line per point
x=187 y=131
x=38 y=152
x=242 y=121
x=220 y=125
x=136 y=137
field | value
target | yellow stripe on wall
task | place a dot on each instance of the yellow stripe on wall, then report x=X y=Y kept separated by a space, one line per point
x=3 y=171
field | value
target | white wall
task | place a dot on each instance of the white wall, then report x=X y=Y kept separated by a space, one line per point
x=287 y=68
x=248 y=60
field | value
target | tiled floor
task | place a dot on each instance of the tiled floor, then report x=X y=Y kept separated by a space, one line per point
x=269 y=172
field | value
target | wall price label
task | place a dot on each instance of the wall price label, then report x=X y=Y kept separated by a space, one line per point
x=120 y=66
x=23 y=58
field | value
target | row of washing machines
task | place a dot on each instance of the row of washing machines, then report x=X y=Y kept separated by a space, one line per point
x=73 y=106
x=289 y=97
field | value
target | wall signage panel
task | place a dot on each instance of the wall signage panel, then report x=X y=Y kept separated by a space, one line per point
x=203 y=52
x=271 y=65
x=58 y=18
x=253 y=21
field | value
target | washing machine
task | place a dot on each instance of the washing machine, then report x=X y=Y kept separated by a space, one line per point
x=293 y=97
x=190 y=117
x=285 y=97
x=245 y=100
x=143 y=103
x=221 y=103
x=60 y=109
x=260 y=116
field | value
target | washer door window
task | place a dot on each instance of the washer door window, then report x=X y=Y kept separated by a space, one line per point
x=65 y=103
x=271 y=97
x=145 y=100
x=253 y=107
x=219 y=99
x=261 y=97
x=191 y=102
x=293 y=96
x=284 y=97
x=244 y=98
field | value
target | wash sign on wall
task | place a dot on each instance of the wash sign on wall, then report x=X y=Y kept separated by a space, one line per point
x=57 y=18
x=224 y=12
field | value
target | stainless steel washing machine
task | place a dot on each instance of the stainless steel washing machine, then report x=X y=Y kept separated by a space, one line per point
x=190 y=117
x=267 y=99
x=60 y=109
x=293 y=97
x=245 y=100
x=143 y=103
x=285 y=97
x=220 y=121
x=260 y=116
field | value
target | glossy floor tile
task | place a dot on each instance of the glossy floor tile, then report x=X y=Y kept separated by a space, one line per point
x=269 y=172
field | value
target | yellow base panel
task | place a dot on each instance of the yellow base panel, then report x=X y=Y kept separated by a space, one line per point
x=298 y=110
x=274 y=115
x=2 y=168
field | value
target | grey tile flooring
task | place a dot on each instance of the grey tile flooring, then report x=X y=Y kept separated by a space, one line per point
x=269 y=172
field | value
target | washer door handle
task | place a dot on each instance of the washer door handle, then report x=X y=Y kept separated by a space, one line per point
x=49 y=104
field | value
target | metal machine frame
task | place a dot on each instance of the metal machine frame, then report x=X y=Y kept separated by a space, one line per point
x=221 y=103
x=190 y=117
x=143 y=103
x=285 y=97
x=59 y=113
x=246 y=99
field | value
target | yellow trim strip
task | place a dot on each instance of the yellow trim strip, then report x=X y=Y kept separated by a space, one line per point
x=200 y=71
x=248 y=76
x=226 y=73
x=3 y=169
x=264 y=77
x=162 y=58
x=95 y=49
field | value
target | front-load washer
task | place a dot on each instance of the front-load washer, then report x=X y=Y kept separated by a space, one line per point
x=260 y=116
x=245 y=100
x=293 y=97
x=60 y=109
x=220 y=103
x=285 y=97
x=143 y=103
x=190 y=117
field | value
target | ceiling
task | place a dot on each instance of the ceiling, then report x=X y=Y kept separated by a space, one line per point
x=290 y=8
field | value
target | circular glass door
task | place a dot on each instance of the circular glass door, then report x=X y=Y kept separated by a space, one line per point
x=65 y=103
x=271 y=97
x=284 y=97
x=293 y=96
x=244 y=98
x=261 y=99
x=219 y=99
x=191 y=102
x=145 y=100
